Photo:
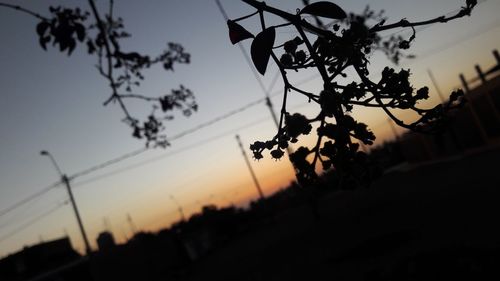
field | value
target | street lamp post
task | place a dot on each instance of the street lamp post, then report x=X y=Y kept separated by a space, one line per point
x=66 y=182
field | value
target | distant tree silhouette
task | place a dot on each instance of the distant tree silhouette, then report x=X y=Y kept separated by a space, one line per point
x=331 y=49
x=102 y=33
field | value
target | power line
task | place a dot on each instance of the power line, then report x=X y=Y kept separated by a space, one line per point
x=32 y=221
x=18 y=216
x=190 y=131
x=108 y=163
x=171 y=153
x=239 y=110
x=273 y=81
x=25 y=213
x=199 y=143
x=175 y=137
x=217 y=119
x=28 y=199
x=243 y=50
x=464 y=38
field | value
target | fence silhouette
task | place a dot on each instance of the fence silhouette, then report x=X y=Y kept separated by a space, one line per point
x=475 y=126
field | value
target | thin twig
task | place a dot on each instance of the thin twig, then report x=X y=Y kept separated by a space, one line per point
x=24 y=10
x=404 y=23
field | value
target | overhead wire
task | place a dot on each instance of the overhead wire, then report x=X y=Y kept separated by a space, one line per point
x=190 y=131
x=183 y=149
x=217 y=119
x=32 y=221
x=109 y=162
x=175 y=137
x=244 y=51
x=170 y=153
x=16 y=217
x=28 y=199
x=464 y=38
x=132 y=154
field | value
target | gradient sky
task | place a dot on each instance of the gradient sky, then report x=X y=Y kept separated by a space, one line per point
x=54 y=102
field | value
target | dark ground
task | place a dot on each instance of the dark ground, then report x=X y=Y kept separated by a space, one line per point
x=435 y=221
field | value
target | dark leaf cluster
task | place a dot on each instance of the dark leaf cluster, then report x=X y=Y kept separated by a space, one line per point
x=66 y=28
x=102 y=35
x=181 y=99
x=333 y=49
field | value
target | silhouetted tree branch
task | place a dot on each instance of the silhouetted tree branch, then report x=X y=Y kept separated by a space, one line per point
x=24 y=10
x=332 y=50
x=102 y=35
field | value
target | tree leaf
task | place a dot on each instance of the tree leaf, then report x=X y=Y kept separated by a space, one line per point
x=324 y=9
x=261 y=49
x=43 y=42
x=80 y=32
x=41 y=28
x=71 y=46
x=237 y=32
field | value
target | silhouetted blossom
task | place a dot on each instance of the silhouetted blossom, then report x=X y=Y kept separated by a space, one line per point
x=102 y=35
x=331 y=50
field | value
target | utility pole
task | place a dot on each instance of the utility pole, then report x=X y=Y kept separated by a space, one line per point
x=77 y=214
x=473 y=112
x=257 y=77
x=393 y=129
x=125 y=237
x=441 y=96
x=179 y=207
x=66 y=182
x=464 y=83
x=132 y=224
x=275 y=119
x=438 y=90
x=107 y=224
x=257 y=185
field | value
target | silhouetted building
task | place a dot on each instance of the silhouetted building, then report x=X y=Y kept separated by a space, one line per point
x=147 y=256
x=38 y=259
x=105 y=241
